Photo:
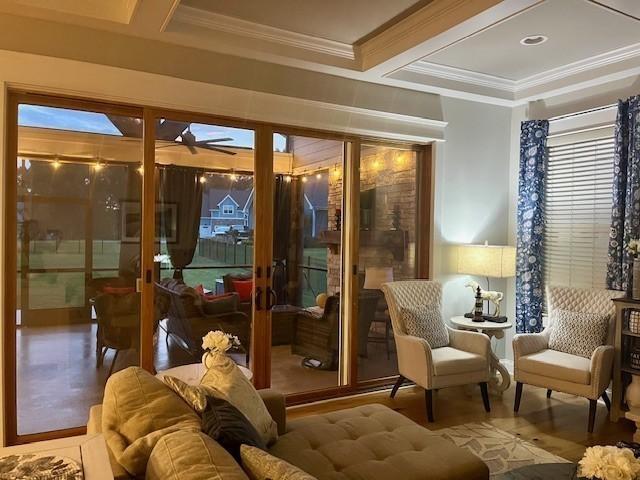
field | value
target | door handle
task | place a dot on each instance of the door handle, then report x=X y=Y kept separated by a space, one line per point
x=271 y=295
x=258 y=298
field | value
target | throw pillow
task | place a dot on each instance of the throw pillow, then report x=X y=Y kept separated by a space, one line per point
x=191 y=456
x=195 y=397
x=138 y=409
x=577 y=333
x=225 y=380
x=425 y=321
x=260 y=465
x=218 y=304
x=244 y=289
x=229 y=427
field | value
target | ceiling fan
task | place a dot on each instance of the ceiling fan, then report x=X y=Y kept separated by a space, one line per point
x=188 y=139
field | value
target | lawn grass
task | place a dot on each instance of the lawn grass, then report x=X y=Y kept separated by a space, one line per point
x=67 y=289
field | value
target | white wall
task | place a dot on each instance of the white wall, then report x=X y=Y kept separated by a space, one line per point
x=472 y=192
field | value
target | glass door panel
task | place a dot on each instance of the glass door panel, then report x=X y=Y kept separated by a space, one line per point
x=386 y=250
x=77 y=316
x=306 y=280
x=204 y=183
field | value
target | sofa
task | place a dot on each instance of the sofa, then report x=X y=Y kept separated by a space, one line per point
x=365 y=443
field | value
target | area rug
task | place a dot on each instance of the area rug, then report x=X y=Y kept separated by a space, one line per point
x=501 y=451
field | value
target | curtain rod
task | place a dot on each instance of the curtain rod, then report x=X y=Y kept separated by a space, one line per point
x=584 y=112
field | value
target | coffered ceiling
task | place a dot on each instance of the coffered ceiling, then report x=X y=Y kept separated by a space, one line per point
x=464 y=48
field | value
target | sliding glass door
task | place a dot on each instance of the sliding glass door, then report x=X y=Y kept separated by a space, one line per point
x=75 y=317
x=132 y=232
x=204 y=246
x=306 y=321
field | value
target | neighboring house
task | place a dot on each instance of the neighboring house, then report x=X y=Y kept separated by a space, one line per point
x=223 y=209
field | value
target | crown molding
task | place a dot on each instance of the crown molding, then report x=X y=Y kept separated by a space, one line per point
x=460 y=75
x=581 y=66
x=546 y=78
x=235 y=26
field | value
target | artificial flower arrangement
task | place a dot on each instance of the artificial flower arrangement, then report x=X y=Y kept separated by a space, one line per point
x=218 y=342
x=609 y=463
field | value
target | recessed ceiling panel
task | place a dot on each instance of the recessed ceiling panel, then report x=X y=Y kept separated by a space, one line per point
x=338 y=20
x=576 y=30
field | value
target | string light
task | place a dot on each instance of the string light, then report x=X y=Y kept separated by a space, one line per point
x=287 y=178
x=141 y=170
x=55 y=164
x=97 y=167
x=203 y=179
x=305 y=179
x=318 y=176
x=233 y=177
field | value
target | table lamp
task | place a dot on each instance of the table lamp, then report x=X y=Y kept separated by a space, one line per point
x=495 y=261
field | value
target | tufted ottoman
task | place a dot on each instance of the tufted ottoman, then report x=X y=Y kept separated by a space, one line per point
x=373 y=442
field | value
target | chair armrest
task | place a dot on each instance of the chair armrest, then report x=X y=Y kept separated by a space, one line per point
x=274 y=401
x=472 y=342
x=414 y=359
x=601 y=369
x=528 y=343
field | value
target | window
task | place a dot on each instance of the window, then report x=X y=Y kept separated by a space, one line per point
x=227 y=209
x=578 y=208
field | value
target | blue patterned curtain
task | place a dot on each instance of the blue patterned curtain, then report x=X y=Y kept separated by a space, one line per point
x=625 y=212
x=531 y=184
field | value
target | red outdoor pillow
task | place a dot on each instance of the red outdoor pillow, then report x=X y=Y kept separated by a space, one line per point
x=244 y=289
x=118 y=290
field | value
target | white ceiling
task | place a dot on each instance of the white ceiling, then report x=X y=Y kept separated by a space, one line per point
x=338 y=20
x=462 y=48
x=577 y=30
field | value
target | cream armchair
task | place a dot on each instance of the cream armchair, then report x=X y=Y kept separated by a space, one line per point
x=465 y=360
x=536 y=364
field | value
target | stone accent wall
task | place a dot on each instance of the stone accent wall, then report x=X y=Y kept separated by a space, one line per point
x=393 y=175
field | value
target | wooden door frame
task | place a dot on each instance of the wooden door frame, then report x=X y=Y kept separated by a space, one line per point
x=14 y=99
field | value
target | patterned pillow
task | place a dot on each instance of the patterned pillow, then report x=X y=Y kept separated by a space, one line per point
x=578 y=333
x=425 y=321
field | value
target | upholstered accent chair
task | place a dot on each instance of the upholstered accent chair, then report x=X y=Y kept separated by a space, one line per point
x=537 y=364
x=463 y=361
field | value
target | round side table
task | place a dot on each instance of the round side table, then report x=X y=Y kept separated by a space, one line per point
x=193 y=373
x=490 y=329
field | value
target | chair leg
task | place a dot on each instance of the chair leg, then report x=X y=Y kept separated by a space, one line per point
x=428 y=397
x=606 y=400
x=397 y=385
x=549 y=392
x=592 y=414
x=485 y=396
x=516 y=403
x=113 y=363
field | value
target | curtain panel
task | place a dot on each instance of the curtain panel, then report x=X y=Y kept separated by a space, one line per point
x=530 y=230
x=625 y=211
x=180 y=187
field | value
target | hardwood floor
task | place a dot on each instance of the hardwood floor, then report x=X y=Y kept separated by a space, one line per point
x=558 y=424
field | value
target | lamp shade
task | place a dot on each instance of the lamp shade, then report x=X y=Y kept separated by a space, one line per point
x=487 y=260
x=374 y=277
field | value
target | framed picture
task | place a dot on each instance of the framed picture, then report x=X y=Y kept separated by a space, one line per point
x=166 y=213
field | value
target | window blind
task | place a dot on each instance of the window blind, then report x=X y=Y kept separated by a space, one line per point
x=577 y=212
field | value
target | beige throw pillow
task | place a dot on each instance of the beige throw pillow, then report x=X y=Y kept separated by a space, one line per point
x=260 y=465
x=225 y=380
x=577 y=333
x=138 y=409
x=191 y=456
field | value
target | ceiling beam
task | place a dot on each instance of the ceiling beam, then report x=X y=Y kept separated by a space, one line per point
x=433 y=19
